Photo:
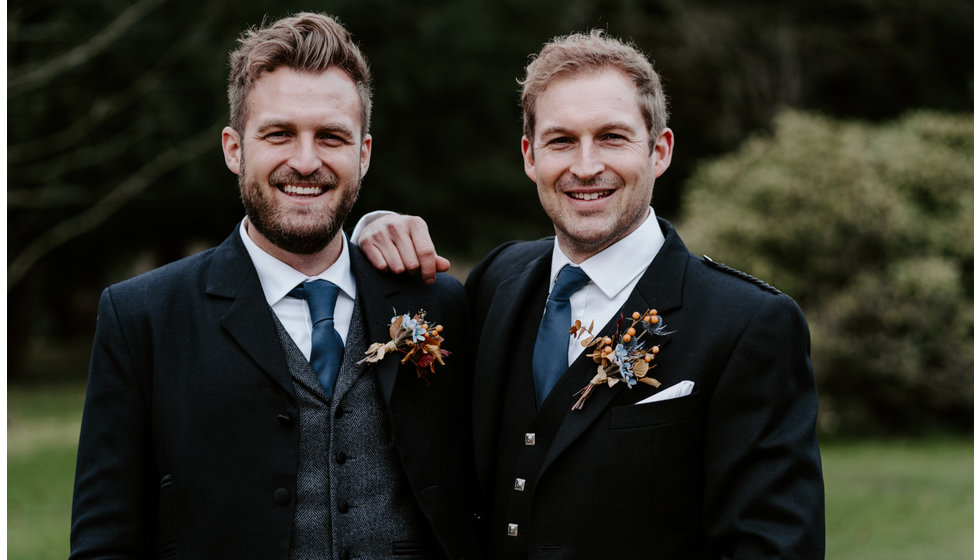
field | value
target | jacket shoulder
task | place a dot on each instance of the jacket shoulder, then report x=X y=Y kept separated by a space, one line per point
x=188 y=271
x=508 y=260
x=712 y=264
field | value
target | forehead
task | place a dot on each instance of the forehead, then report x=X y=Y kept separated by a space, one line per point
x=587 y=100
x=292 y=96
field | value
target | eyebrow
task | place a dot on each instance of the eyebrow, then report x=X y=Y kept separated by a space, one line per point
x=614 y=125
x=272 y=124
x=286 y=125
x=553 y=130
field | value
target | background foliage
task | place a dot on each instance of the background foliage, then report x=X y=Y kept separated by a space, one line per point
x=115 y=109
x=870 y=229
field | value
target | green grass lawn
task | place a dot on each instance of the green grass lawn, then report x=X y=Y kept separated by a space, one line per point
x=899 y=500
x=890 y=500
x=42 y=434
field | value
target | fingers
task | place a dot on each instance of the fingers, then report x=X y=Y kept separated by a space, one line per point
x=380 y=242
x=411 y=239
x=400 y=243
x=442 y=264
x=374 y=255
x=422 y=252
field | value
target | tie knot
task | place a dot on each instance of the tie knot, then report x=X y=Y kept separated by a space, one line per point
x=570 y=279
x=320 y=296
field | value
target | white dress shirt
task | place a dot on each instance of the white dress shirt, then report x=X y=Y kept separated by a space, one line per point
x=278 y=279
x=613 y=273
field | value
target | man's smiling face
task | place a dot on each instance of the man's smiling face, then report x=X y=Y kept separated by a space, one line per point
x=300 y=158
x=591 y=158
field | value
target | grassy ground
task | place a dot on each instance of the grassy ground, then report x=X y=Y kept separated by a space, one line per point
x=899 y=500
x=42 y=434
x=895 y=500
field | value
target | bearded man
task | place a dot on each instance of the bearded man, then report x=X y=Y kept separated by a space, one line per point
x=230 y=410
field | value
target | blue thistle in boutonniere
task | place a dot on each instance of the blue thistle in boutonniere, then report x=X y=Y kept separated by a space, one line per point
x=414 y=337
x=626 y=356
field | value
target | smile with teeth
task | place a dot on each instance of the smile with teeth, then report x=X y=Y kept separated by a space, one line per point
x=313 y=190
x=596 y=195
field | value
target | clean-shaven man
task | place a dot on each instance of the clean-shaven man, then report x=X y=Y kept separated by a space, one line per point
x=697 y=437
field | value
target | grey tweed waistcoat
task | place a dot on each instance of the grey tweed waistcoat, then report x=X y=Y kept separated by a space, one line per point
x=352 y=497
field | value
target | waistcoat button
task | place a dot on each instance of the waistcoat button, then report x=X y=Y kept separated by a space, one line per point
x=281 y=496
x=341 y=458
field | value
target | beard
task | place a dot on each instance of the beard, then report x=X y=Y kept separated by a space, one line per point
x=298 y=231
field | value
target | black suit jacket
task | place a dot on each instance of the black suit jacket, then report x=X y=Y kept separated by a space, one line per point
x=189 y=441
x=731 y=471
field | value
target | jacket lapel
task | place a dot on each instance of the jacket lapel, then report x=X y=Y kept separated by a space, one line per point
x=376 y=294
x=494 y=355
x=248 y=318
x=661 y=288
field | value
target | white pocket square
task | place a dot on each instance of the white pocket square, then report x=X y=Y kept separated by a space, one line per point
x=682 y=389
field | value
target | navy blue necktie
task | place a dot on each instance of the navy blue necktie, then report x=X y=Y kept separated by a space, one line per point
x=551 y=347
x=328 y=347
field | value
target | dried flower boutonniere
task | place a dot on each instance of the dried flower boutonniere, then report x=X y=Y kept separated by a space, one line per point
x=412 y=336
x=626 y=356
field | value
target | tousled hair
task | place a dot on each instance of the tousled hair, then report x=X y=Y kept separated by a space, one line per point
x=580 y=53
x=306 y=42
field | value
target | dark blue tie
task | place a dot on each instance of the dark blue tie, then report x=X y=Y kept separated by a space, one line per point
x=551 y=347
x=328 y=347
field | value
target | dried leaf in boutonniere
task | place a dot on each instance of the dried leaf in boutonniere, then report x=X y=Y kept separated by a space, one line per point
x=412 y=336
x=626 y=356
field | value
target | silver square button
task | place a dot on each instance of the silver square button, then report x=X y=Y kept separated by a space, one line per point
x=519 y=484
x=529 y=439
x=512 y=529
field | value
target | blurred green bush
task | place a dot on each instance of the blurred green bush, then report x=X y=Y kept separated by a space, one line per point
x=870 y=228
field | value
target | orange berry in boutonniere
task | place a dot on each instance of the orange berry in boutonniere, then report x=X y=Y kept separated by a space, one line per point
x=413 y=337
x=626 y=356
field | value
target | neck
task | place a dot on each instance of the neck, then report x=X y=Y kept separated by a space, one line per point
x=579 y=251
x=310 y=265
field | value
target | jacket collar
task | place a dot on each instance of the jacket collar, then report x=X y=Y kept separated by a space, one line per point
x=248 y=317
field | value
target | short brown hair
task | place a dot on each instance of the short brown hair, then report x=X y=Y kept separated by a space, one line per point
x=579 y=53
x=307 y=42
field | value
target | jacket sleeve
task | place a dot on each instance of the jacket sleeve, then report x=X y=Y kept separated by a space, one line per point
x=764 y=494
x=114 y=505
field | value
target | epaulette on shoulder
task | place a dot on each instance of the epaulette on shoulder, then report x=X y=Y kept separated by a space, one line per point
x=740 y=274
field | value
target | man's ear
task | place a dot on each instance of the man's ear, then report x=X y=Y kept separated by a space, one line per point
x=231 y=145
x=527 y=150
x=365 y=154
x=663 y=149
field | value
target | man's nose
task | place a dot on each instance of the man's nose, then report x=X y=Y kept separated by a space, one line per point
x=588 y=162
x=305 y=158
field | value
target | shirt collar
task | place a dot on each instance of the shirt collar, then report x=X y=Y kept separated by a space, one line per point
x=278 y=278
x=616 y=266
